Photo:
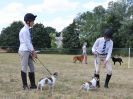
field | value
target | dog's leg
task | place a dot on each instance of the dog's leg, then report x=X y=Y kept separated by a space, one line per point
x=50 y=90
x=80 y=88
x=38 y=87
x=114 y=63
x=41 y=88
x=87 y=90
x=120 y=63
x=79 y=91
x=74 y=60
x=80 y=61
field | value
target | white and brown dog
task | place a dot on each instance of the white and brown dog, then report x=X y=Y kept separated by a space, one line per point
x=50 y=81
x=89 y=85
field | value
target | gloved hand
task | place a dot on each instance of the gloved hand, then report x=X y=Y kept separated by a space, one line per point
x=95 y=53
x=33 y=55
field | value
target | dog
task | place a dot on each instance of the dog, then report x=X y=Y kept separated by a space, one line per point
x=78 y=58
x=89 y=85
x=117 y=60
x=50 y=81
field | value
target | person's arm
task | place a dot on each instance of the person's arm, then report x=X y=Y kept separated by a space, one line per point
x=109 y=54
x=27 y=40
x=95 y=46
x=109 y=51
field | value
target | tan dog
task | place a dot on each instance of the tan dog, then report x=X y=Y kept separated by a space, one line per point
x=78 y=58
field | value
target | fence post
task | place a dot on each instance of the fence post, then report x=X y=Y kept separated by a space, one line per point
x=129 y=58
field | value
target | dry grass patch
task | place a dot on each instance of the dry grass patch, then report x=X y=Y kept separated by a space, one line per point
x=71 y=76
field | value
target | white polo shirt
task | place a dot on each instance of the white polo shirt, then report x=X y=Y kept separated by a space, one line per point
x=98 y=47
x=84 y=49
x=25 y=39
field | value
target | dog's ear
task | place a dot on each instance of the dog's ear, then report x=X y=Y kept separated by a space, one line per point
x=97 y=79
x=55 y=74
x=84 y=82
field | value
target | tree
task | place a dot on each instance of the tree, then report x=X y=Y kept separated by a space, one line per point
x=91 y=25
x=52 y=34
x=53 y=40
x=50 y=30
x=115 y=15
x=10 y=35
x=71 y=37
x=99 y=11
x=126 y=34
x=41 y=38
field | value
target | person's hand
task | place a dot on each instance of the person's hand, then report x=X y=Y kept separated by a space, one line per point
x=34 y=54
x=95 y=53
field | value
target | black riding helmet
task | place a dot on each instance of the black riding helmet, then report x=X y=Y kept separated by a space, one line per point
x=108 y=33
x=29 y=17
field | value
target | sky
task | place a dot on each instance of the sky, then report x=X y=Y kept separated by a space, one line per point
x=55 y=13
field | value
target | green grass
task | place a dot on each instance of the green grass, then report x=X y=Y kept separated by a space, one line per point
x=71 y=76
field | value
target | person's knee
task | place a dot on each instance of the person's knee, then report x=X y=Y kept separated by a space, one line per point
x=32 y=69
x=109 y=69
x=24 y=69
x=109 y=72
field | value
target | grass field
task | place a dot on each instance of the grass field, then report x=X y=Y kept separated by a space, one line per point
x=71 y=76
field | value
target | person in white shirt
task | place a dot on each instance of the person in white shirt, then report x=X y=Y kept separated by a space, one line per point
x=102 y=50
x=84 y=49
x=27 y=52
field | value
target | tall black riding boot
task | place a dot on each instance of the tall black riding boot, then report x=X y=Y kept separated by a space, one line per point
x=98 y=82
x=24 y=80
x=107 y=80
x=32 y=80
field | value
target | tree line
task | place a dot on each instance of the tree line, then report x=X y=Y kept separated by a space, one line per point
x=86 y=27
x=42 y=36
